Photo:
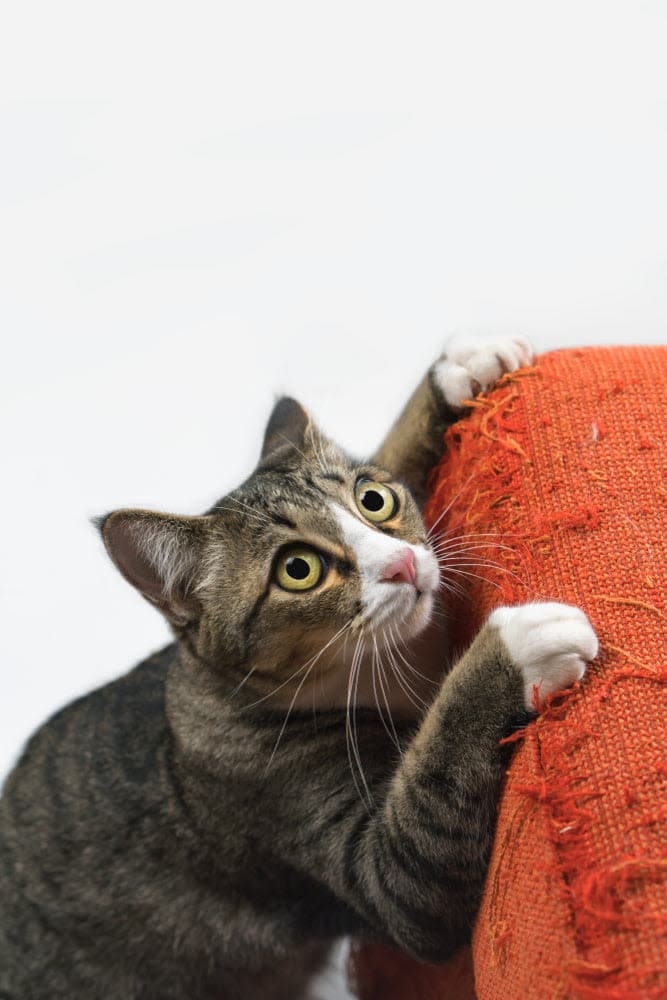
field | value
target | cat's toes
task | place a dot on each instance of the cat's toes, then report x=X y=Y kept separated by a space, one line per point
x=471 y=364
x=550 y=643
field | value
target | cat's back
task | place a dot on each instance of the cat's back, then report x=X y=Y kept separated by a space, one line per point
x=89 y=786
x=92 y=753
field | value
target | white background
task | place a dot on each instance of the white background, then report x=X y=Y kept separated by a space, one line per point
x=204 y=204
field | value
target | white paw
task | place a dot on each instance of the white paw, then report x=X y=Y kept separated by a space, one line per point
x=471 y=364
x=551 y=644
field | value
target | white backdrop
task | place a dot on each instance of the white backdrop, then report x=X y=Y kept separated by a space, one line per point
x=204 y=204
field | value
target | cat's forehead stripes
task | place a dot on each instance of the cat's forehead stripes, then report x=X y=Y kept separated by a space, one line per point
x=280 y=496
x=302 y=499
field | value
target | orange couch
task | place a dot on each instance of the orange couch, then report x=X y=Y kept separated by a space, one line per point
x=565 y=464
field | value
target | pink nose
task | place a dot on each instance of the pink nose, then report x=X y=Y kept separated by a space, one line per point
x=401 y=569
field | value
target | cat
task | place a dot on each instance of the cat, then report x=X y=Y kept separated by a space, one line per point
x=208 y=825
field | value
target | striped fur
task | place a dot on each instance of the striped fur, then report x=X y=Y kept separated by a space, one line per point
x=207 y=825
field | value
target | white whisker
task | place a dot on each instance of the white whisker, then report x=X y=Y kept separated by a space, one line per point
x=351 y=740
x=453 y=588
x=410 y=666
x=476 y=576
x=449 y=506
x=313 y=661
x=412 y=695
x=459 y=547
x=296 y=672
x=454 y=565
x=240 y=685
x=390 y=730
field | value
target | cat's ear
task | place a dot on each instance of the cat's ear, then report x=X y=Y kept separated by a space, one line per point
x=160 y=555
x=288 y=426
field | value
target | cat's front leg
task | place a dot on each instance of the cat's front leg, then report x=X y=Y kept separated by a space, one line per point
x=440 y=816
x=419 y=869
x=468 y=365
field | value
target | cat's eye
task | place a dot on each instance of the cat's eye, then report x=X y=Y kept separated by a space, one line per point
x=376 y=501
x=299 y=568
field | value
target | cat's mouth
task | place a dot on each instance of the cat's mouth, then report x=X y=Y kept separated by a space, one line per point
x=403 y=610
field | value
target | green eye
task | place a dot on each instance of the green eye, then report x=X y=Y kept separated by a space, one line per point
x=376 y=501
x=299 y=568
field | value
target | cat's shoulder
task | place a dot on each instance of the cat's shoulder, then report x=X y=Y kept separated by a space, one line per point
x=139 y=691
x=122 y=721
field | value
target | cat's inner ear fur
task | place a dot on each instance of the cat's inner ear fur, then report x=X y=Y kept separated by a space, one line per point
x=289 y=426
x=160 y=555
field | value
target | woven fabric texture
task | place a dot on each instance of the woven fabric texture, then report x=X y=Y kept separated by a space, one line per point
x=565 y=464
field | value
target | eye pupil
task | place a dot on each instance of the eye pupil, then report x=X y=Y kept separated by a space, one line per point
x=372 y=500
x=297 y=568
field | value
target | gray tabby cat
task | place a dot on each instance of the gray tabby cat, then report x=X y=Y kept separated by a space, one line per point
x=207 y=825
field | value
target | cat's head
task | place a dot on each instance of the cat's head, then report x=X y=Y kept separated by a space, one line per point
x=313 y=549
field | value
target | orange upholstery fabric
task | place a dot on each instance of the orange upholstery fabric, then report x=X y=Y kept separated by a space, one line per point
x=566 y=465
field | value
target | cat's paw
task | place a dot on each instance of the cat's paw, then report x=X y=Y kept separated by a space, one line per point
x=550 y=643
x=471 y=364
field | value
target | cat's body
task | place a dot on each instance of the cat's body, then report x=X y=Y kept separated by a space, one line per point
x=206 y=826
x=111 y=866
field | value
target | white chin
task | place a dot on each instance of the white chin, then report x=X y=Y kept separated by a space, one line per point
x=406 y=617
x=417 y=621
